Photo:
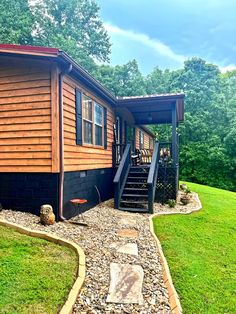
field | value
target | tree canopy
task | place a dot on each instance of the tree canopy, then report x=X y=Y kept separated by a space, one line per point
x=208 y=135
x=73 y=26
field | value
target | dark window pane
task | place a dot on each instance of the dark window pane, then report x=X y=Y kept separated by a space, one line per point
x=88 y=132
x=98 y=135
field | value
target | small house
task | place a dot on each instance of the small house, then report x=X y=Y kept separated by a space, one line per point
x=64 y=136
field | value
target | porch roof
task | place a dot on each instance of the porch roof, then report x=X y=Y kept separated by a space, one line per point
x=153 y=109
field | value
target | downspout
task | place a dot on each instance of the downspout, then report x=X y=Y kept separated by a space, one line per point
x=61 y=140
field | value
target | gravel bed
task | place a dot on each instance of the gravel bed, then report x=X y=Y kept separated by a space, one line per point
x=194 y=205
x=96 y=240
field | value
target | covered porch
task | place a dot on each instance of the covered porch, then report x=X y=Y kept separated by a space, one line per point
x=165 y=109
x=154 y=174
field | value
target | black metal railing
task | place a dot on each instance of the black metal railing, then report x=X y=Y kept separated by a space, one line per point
x=152 y=177
x=121 y=175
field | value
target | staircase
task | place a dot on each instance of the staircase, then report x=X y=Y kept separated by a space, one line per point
x=134 y=196
x=135 y=186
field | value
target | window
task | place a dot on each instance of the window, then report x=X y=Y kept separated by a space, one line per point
x=141 y=134
x=150 y=143
x=98 y=110
x=88 y=119
x=93 y=128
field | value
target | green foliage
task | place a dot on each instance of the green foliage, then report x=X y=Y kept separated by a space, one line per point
x=73 y=26
x=122 y=80
x=200 y=250
x=16 y=22
x=187 y=191
x=171 y=203
x=208 y=136
x=36 y=275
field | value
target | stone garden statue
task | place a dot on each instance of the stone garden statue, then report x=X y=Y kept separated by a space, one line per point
x=47 y=216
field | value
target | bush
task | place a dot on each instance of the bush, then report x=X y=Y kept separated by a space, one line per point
x=171 y=203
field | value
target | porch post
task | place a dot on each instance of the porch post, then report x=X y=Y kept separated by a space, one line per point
x=174 y=134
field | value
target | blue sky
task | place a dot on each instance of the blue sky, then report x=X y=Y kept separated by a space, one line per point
x=164 y=33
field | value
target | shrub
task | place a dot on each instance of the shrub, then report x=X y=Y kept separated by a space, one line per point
x=171 y=203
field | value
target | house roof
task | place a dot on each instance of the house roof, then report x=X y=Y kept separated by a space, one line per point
x=148 y=97
x=80 y=73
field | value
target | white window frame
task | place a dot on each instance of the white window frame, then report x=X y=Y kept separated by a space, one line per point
x=94 y=103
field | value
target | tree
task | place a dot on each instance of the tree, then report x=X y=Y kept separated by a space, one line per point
x=158 y=81
x=207 y=136
x=16 y=22
x=74 y=26
x=122 y=80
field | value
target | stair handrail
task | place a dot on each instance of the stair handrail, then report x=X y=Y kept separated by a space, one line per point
x=152 y=177
x=121 y=174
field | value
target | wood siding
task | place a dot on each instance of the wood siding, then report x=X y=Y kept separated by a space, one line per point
x=147 y=138
x=25 y=116
x=83 y=157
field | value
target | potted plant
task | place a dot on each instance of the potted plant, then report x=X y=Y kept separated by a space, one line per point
x=185 y=199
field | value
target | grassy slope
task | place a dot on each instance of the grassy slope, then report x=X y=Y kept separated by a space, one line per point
x=35 y=275
x=201 y=251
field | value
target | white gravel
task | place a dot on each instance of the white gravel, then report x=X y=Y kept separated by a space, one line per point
x=96 y=239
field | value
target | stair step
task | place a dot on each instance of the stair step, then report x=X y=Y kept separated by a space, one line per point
x=138 y=172
x=134 y=195
x=134 y=202
x=140 y=167
x=137 y=178
x=136 y=189
x=136 y=183
x=130 y=209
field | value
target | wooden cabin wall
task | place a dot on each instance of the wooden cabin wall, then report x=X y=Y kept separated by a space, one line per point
x=25 y=116
x=146 y=138
x=83 y=157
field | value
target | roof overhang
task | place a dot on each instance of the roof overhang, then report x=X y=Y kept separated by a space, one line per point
x=149 y=109
x=154 y=109
x=64 y=60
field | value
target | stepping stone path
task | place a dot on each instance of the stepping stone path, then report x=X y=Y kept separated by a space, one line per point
x=126 y=280
x=126 y=283
x=128 y=233
x=129 y=248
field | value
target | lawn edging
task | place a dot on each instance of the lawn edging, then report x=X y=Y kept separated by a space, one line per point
x=74 y=292
x=175 y=304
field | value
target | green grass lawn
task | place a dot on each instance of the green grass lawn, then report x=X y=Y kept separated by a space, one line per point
x=35 y=275
x=201 y=252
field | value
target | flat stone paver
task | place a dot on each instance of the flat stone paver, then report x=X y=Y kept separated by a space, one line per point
x=128 y=233
x=128 y=221
x=129 y=248
x=126 y=284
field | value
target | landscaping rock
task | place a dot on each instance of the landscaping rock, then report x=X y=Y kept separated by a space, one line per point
x=128 y=233
x=129 y=248
x=104 y=226
x=126 y=284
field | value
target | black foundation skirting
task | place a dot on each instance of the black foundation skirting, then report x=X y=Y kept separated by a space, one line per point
x=93 y=185
x=28 y=191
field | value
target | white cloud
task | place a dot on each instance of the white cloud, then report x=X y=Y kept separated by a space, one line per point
x=228 y=68
x=157 y=46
